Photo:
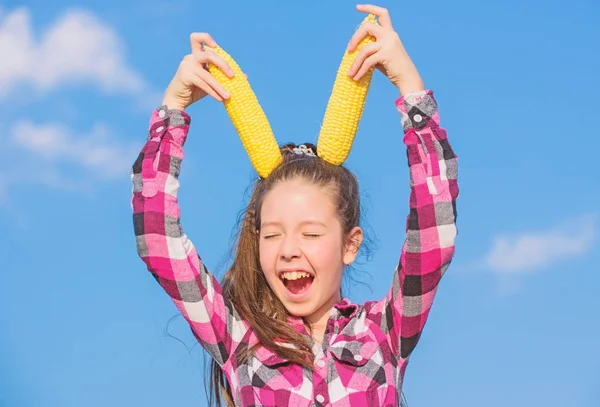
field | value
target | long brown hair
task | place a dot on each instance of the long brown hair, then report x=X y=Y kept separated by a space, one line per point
x=245 y=285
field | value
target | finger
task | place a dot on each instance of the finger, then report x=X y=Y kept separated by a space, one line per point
x=208 y=56
x=383 y=15
x=200 y=83
x=212 y=82
x=197 y=39
x=362 y=55
x=365 y=29
x=368 y=64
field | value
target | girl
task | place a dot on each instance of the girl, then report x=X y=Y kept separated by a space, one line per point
x=277 y=328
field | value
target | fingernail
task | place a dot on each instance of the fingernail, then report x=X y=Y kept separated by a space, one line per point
x=227 y=95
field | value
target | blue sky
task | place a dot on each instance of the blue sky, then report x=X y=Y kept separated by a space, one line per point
x=516 y=318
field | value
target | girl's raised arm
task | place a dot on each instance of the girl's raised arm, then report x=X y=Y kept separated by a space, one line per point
x=161 y=242
x=431 y=224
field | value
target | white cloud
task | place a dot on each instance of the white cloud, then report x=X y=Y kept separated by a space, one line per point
x=97 y=151
x=531 y=251
x=54 y=156
x=78 y=48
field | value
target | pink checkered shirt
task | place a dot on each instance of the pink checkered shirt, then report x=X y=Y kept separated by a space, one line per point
x=366 y=347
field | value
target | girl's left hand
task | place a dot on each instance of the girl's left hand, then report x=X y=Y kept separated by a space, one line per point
x=386 y=54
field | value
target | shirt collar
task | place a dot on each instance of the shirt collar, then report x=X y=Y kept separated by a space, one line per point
x=344 y=309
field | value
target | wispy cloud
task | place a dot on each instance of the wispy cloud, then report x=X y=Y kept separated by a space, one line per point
x=77 y=48
x=53 y=155
x=533 y=250
x=97 y=151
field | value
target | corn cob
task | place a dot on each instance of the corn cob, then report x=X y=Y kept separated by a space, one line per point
x=248 y=117
x=345 y=107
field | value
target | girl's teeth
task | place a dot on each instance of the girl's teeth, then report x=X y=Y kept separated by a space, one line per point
x=295 y=275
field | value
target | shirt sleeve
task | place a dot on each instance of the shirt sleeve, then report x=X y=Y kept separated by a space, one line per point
x=161 y=243
x=430 y=225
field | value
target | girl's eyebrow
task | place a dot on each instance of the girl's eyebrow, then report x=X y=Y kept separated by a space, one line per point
x=304 y=222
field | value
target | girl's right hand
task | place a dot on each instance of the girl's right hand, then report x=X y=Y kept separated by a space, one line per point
x=192 y=81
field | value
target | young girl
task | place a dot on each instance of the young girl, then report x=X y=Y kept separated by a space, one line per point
x=276 y=327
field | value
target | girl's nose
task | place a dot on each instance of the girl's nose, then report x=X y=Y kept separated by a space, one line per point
x=290 y=248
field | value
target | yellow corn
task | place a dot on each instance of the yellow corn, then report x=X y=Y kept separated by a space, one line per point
x=345 y=107
x=248 y=117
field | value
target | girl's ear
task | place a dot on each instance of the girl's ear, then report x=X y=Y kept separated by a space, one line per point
x=352 y=244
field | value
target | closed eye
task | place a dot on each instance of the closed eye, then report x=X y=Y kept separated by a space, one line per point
x=312 y=235
x=267 y=237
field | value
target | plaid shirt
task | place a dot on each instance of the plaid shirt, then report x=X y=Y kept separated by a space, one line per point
x=365 y=350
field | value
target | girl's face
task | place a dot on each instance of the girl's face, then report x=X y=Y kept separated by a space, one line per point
x=302 y=250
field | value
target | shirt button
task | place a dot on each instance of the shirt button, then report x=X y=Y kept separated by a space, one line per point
x=358 y=358
x=162 y=113
x=417 y=118
x=161 y=128
x=320 y=398
x=321 y=363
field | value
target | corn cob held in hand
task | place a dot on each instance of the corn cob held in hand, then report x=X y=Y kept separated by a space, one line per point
x=345 y=107
x=247 y=116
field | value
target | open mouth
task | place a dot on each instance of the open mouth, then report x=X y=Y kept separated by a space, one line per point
x=296 y=282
